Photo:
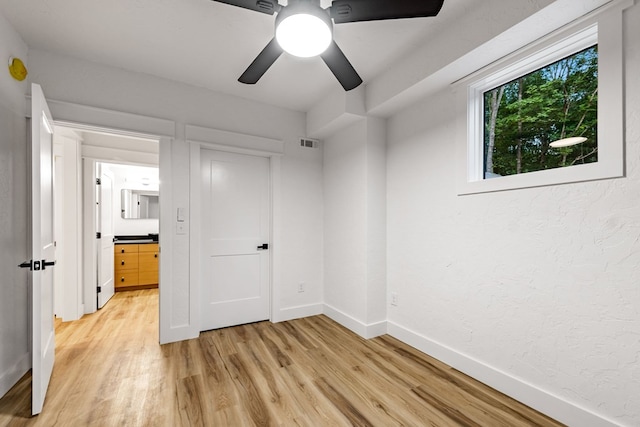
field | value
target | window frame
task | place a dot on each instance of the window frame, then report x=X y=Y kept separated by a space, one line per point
x=602 y=27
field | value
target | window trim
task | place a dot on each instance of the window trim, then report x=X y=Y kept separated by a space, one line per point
x=603 y=27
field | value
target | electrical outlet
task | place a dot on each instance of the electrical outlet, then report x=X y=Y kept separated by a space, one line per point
x=301 y=287
x=394 y=298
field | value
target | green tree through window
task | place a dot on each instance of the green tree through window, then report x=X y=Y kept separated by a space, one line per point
x=523 y=117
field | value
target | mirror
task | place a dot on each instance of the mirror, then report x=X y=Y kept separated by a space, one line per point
x=140 y=204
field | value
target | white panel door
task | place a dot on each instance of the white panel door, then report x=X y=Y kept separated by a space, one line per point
x=42 y=246
x=105 y=209
x=235 y=235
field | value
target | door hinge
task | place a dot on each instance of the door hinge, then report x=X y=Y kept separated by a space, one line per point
x=98 y=181
x=98 y=235
x=99 y=289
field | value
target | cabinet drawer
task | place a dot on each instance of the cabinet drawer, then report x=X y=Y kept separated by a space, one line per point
x=126 y=278
x=148 y=277
x=148 y=247
x=126 y=261
x=125 y=249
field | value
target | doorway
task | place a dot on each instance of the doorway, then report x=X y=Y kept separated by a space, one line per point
x=87 y=262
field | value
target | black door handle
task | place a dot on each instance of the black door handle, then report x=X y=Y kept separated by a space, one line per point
x=27 y=264
x=46 y=264
x=263 y=246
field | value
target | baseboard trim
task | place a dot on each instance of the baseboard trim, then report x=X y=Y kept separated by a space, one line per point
x=545 y=402
x=366 y=331
x=297 y=312
x=11 y=376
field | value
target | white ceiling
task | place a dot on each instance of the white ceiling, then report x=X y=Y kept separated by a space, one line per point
x=209 y=44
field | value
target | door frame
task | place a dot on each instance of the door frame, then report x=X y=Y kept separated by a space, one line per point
x=89 y=227
x=92 y=119
x=211 y=139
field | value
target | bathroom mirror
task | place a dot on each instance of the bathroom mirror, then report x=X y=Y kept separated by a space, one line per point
x=139 y=204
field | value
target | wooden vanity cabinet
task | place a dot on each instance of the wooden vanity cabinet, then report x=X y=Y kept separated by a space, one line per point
x=148 y=264
x=135 y=266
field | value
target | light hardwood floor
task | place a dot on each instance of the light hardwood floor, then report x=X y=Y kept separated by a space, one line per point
x=110 y=371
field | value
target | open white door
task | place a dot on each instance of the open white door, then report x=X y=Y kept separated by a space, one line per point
x=104 y=192
x=42 y=246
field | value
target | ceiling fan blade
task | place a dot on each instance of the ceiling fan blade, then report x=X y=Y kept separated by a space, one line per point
x=341 y=67
x=261 y=64
x=264 y=6
x=375 y=10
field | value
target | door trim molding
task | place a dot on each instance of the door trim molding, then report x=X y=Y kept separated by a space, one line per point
x=96 y=119
x=84 y=117
x=213 y=139
x=235 y=142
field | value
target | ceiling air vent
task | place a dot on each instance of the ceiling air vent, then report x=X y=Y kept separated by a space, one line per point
x=308 y=143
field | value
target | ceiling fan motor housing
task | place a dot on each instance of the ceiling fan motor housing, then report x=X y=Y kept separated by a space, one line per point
x=309 y=7
x=304 y=9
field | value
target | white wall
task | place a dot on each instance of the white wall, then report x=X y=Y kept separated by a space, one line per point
x=355 y=227
x=86 y=83
x=345 y=229
x=69 y=267
x=533 y=289
x=14 y=327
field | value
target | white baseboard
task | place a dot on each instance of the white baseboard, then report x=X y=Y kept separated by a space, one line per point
x=297 y=312
x=366 y=331
x=11 y=376
x=518 y=389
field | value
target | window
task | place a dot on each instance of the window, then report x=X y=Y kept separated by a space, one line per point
x=551 y=113
x=545 y=119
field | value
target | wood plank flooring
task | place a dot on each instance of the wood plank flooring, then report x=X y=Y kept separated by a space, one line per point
x=111 y=371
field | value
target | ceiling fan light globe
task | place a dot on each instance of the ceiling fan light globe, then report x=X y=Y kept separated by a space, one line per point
x=304 y=35
x=568 y=142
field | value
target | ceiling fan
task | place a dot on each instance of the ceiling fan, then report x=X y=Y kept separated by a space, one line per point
x=303 y=28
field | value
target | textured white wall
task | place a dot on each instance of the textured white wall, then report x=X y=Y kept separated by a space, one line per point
x=355 y=226
x=541 y=284
x=14 y=333
x=86 y=83
x=376 y=217
x=345 y=275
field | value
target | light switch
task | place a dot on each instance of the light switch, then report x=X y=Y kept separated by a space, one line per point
x=180 y=216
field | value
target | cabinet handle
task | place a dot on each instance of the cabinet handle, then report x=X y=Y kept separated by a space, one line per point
x=155 y=255
x=122 y=279
x=122 y=250
x=122 y=262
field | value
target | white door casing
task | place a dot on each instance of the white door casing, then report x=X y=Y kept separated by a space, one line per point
x=58 y=203
x=42 y=246
x=235 y=222
x=105 y=228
